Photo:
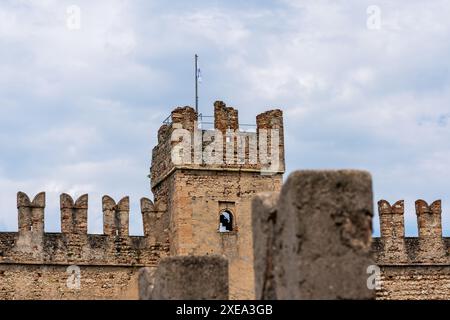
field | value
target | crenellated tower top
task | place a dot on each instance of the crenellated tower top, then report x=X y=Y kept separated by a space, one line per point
x=182 y=144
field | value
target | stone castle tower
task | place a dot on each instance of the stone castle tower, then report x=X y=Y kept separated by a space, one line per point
x=204 y=205
x=201 y=206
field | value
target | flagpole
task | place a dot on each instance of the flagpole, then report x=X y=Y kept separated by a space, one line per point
x=196 y=83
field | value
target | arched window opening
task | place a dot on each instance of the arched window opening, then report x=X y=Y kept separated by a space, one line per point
x=226 y=221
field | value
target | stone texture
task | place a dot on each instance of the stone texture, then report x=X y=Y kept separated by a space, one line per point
x=146 y=281
x=392 y=230
x=225 y=117
x=73 y=214
x=414 y=282
x=430 y=231
x=264 y=210
x=187 y=278
x=323 y=236
x=273 y=120
x=49 y=282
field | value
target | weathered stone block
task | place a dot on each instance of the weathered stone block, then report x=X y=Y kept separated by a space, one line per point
x=263 y=219
x=146 y=281
x=323 y=235
x=187 y=277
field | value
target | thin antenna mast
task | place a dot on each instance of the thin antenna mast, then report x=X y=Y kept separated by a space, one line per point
x=196 y=83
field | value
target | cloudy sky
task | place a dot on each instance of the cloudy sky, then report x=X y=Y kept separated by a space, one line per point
x=80 y=108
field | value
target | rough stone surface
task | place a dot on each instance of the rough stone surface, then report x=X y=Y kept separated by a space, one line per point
x=49 y=282
x=187 y=278
x=225 y=117
x=414 y=282
x=264 y=210
x=146 y=280
x=323 y=236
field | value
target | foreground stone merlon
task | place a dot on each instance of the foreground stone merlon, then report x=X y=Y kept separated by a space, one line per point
x=263 y=222
x=321 y=237
x=186 y=278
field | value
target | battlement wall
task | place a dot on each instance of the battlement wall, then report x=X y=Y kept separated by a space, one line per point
x=430 y=247
x=115 y=247
x=412 y=267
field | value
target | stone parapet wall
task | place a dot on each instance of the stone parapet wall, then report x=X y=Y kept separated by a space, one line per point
x=37 y=265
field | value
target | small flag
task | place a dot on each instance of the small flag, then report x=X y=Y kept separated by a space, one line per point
x=199 y=75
